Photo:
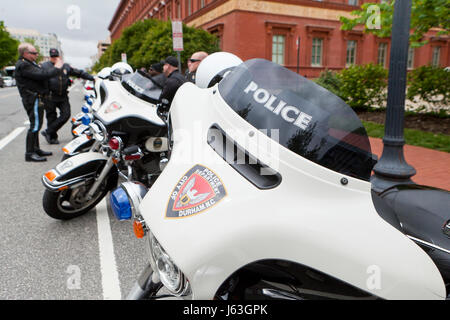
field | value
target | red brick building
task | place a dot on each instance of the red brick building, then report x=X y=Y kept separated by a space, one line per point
x=272 y=29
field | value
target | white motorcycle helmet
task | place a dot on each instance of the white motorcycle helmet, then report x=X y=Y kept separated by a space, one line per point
x=121 y=68
x=104 y=73
x=214 y=67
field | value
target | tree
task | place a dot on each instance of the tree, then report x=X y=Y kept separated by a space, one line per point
x=150 y=41
x=425 y=14
x=8 y=47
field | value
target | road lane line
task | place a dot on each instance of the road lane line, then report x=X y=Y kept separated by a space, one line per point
x=108 y=267
x=9 y=95
x=10 y=137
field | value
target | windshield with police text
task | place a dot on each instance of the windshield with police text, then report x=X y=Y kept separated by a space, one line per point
x=143 y=86
x=310 y=120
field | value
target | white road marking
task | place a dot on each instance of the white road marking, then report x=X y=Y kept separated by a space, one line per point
x=9 y=95
x=10 y=137
x=108 y=267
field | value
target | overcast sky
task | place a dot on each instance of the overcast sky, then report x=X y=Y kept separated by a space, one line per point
x=78 y=37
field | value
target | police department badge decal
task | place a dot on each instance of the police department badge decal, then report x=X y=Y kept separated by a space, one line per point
x=198 y=190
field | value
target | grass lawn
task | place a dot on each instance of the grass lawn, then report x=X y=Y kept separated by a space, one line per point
x=440 y=142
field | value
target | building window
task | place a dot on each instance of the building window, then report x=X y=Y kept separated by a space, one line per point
x=178 y=4
x=436 y=58
x=217 y=31
x=351 y=52
x=410 y=63
x=353 y=2
x=382 y=53
x=189 y=7
x=317 y=52
x=202 y=3
x=278 y=48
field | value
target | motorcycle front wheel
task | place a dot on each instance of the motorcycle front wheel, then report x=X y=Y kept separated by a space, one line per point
x=71 y=203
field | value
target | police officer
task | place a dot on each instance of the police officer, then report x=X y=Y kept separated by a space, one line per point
x=174 y=80
x=58 y=97
x=32 y=85
x=193 y=63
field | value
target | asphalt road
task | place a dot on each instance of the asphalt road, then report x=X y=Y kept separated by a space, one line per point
x=91 y=257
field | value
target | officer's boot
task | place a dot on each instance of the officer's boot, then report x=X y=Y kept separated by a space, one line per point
x=38 y=150
x=31 y=154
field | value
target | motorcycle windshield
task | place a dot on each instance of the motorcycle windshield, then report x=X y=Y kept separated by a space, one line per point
x=300 y=115
x=142 y=86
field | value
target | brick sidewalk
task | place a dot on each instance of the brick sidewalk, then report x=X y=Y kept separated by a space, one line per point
x=432 y=167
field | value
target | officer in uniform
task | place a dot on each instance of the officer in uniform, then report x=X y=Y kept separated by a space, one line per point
x=193 y=63
x=58 y=97
x=174 y=80
x=31 y=81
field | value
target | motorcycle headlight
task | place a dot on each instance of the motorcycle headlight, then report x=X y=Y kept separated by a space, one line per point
x=171 y=276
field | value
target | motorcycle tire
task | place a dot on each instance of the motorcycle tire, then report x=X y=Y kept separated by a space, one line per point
x=62 y=205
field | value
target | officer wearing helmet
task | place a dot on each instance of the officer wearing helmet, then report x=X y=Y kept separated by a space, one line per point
x=58 y=96
x=174 y=80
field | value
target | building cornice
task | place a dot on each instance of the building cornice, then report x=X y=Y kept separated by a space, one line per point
x=295 y=8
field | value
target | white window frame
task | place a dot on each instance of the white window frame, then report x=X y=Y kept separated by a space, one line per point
x=350 y=58
x=436 y=56
x=317 y=55
x=278 y=48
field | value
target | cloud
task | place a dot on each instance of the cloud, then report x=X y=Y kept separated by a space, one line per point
x=52 y=16
x=78 y=52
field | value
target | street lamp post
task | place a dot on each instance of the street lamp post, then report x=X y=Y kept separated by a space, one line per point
x=392 y=168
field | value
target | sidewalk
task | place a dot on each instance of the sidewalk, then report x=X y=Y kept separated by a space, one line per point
x=432 y=167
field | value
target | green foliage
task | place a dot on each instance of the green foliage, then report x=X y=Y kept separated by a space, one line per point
x=431 y=85
x=363 y=86
x=436 y=141
x=330 y=81
x=8 y=47
x=425 y=14
x=150 y=41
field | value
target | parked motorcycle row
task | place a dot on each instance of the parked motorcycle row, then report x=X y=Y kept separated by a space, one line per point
x=255 y=185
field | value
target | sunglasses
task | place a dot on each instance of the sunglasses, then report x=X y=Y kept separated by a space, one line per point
x=33 y=53
x=194 y=60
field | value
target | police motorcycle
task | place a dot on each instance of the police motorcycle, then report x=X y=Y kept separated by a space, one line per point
x=119 y=69
x=267 y=195
x=129 y=141
x=89 y=100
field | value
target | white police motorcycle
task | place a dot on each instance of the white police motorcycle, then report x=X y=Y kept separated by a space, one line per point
x=126 y=137
x=267 y=196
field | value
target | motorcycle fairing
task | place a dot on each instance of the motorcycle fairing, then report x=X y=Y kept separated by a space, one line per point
x=197 y=191
x=310 y=218
x=131 y=106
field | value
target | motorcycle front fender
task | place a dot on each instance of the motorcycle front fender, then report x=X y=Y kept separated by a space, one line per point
x=77 y=145
x=74 y=170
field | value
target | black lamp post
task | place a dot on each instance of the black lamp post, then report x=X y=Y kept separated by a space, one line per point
x=392 y=168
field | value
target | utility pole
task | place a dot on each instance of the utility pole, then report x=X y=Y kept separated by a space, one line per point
x=392 y=168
